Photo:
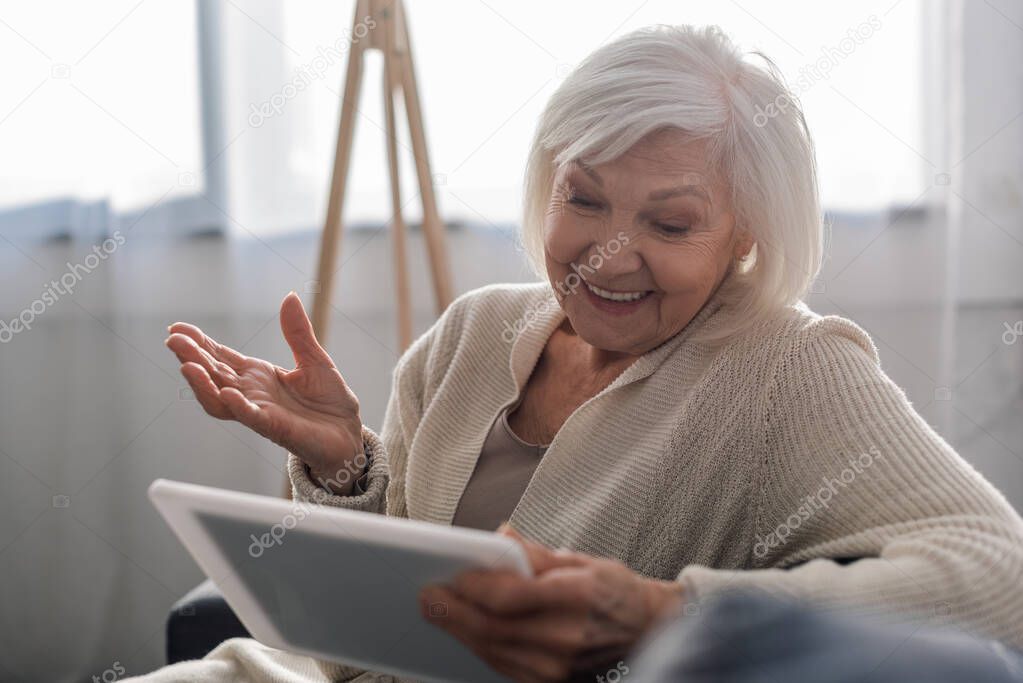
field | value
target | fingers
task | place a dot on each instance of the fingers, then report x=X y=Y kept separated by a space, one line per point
x=227 y=403
x=508 y=594
x=206 y=392
x=298 y=332
x=246 y=412
x=446 y=610
x=188 y=351
x=548 y=649
x=540 y=557
x=525 y=664
x=220 y=352
x=492 y=639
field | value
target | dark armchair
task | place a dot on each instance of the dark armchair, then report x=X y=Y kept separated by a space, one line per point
x=199 y=622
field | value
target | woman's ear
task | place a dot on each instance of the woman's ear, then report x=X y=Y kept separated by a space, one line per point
x=743 y=244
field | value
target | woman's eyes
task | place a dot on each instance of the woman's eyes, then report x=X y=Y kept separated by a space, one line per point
x=672 y=230
x=665 y=228
x=582 y=201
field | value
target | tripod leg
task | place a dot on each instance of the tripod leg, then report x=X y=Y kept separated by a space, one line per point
x=433 y=230
x=330 y=241
x=391 y=65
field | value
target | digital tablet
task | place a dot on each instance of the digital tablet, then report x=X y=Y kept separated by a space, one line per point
x=331 y=583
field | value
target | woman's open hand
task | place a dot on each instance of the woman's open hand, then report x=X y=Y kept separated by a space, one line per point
x=578 y=614
x=309 y=410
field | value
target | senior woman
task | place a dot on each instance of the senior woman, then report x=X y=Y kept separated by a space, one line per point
x=662 y=409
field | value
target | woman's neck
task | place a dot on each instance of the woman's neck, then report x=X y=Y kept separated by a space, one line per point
x=596 y=360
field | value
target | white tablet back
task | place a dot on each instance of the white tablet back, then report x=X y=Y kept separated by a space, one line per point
x=331 y=583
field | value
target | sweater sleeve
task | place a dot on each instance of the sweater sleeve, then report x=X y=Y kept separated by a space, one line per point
x=305 y=489
x=851 y=471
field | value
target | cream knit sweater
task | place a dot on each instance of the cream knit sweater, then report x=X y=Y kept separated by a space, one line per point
x=719 y=466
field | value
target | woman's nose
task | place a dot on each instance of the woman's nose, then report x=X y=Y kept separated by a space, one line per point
x=614 y=256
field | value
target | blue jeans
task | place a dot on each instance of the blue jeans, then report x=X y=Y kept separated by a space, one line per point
x=752 y=638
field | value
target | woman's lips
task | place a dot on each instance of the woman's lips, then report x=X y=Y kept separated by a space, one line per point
x=615 y=307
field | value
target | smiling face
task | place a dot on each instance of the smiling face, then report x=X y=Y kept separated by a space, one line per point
x=637 y=245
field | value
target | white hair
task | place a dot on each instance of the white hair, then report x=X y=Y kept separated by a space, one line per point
x=695 y=80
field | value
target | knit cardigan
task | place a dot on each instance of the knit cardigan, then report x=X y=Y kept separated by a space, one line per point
x=760 y=462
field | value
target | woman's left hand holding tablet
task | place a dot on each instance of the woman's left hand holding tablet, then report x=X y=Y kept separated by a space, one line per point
x=576 y=614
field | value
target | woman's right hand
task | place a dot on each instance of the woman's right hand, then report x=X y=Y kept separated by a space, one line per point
x=310 y=410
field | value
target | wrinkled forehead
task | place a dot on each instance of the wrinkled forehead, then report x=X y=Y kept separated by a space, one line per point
x=637 y=180
x=661 y=157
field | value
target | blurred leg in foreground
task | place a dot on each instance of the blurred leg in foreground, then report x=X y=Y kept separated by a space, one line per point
x=752 y=638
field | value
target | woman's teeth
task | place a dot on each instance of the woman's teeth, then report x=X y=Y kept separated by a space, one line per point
x=616 y=296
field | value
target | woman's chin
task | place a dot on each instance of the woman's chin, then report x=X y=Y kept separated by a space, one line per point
x=615 y=337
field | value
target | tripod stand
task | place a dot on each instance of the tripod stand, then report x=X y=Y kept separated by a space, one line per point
x=390 y=35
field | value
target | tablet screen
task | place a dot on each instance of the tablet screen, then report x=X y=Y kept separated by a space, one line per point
x=331 y=594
